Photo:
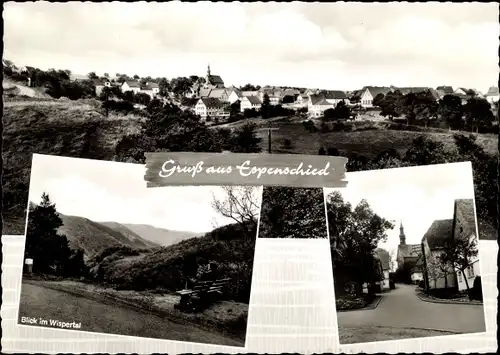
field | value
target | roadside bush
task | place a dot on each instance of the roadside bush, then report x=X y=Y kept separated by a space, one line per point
x=476 y=290
x=421 y=284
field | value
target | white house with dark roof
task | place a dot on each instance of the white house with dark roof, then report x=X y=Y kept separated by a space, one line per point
x=447 y=90
x=151 y=89
x=220 y=94
x=334 y=96
x=233 y=95
x=210 y=107
x=368 y=93
x=250 y=102
x=318 y=105
x=131 y=85
x=435 y=275
x=100 y=85
x=385 y=261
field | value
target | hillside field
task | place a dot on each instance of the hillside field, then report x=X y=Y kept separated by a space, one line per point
x=80 y=129
x=367 y=142
x=57 y=127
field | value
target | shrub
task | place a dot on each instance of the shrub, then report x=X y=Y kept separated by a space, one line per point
x=421 y=284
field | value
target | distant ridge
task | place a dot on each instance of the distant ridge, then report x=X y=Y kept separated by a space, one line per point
x=160 y=236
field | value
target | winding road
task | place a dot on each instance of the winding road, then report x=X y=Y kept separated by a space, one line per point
x=401 y=314
x=41 y=302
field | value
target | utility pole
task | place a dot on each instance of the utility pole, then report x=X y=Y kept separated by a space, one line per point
x=269 y=138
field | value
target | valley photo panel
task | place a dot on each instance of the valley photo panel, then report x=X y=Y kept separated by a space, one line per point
x=106 y=254
x=405 y=254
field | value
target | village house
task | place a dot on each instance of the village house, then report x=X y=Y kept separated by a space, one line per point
x=464 y=226
x=151 y=89
x=100 y=85
x=385 y=261
x=131 y=85
x=318 y=105
x=302 y=99
x=407 y=254
x=334 y=96
x=233 y=95
x=493 y=95
x=368 y=93
x=447 y=90
x=416 y=272
x=220 y=94
x=250 y=102
x=210 y=107
x=437 y=276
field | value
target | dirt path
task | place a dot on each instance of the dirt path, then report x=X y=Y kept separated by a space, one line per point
x=41 y=302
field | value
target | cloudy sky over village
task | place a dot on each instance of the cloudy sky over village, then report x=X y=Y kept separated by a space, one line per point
x=331 y=46
x=416 y=196
x=116 y=192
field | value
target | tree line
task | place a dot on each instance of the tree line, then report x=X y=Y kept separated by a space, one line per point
x=472 y=113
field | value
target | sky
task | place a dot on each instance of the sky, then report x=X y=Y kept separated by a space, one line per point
x=341 y=46
x=116 y=192
x=415 y=196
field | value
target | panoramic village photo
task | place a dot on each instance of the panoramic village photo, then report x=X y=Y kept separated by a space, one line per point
x=405 y=254
x=291 y=212
x=106 y=254
x=349 y=79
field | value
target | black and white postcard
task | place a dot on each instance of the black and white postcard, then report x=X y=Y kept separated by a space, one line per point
x=405 y=254
x=106 y=254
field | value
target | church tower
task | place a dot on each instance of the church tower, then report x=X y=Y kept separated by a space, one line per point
x=402 y=237
x=207 y=79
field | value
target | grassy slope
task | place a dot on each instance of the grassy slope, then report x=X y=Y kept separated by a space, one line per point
x=55 y=127
x=367 y=142
x=127 y=232
x=94 y=237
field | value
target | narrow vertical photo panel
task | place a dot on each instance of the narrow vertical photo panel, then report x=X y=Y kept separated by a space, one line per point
x=105 y=254
x=405 y=254
x=290 y=212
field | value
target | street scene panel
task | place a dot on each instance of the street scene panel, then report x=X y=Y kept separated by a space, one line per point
x=106 y=254
x=405 y=254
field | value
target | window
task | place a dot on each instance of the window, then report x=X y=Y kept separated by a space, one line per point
x=470 y=272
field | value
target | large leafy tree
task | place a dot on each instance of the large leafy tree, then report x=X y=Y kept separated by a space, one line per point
x=478 y=113
x=245 y=140
x=292 y=213
x=354 y=236
x=451 y=111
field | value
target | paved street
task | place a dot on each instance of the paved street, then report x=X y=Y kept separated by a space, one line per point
x=403 y=311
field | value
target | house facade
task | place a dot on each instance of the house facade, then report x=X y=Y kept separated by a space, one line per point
x=368 y=93
x=385 y=261
x=250 y=102
x=151 y=89
x=464 y=226
x=234 y=95
x=436 y=275
x=209 y=107
x=318 y=105
x=100 y=85
x=131 y=85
